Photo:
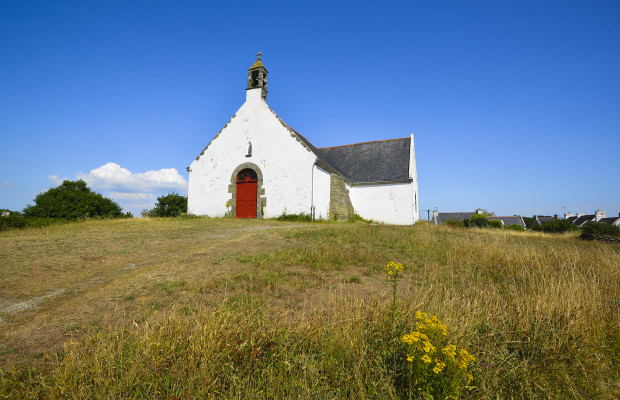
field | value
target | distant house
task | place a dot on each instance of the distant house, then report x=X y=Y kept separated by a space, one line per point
x=441 y=218
x=541 y=219
x=5 y=213
x=580 y=219
x=611 y=220
x=509 y=220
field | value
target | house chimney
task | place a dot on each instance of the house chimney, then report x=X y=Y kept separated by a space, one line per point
x=580 y=215
x=556 y=217
x=435 y=218
x=568 y=215
x=599 y=215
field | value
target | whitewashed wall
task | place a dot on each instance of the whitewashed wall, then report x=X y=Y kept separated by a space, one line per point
x=285 y=163
x=413 y=175
x=321 y=194
x=389 y=203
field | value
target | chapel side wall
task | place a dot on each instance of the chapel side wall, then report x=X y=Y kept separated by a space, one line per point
x=387 y=203
x=285 y=163
x=321 y=193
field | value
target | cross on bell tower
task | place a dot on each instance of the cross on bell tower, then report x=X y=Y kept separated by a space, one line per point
x=257 y=77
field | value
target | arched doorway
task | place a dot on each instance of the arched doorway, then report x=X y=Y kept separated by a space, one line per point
x=246 y=194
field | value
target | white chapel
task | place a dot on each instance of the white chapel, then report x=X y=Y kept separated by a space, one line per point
x=259 y=167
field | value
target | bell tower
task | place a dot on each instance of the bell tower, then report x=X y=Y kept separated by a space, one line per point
x=257 y=77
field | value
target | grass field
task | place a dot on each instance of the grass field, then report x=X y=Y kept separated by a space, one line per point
x=219 y=308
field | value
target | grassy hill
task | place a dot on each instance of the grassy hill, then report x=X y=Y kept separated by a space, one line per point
x=204 y=308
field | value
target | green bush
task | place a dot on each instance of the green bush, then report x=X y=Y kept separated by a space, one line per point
x=170 y=205
x=455 y=224
x=303 y=217
x=593 y=229
x=73 y=200
x=496 y=224
x=555 y=226
x=515 y=227
x=19 y=222
x=357 y=217
x=477 y=221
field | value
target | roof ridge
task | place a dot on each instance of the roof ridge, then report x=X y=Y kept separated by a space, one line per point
x=372 y=141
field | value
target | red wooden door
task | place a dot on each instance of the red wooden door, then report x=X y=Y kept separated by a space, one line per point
x=246 y=194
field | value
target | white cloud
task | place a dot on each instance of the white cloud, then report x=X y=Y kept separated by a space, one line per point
x=55 y=180
x=6 y=184
x=112 y=176
x=133 y=196
x=132 y=191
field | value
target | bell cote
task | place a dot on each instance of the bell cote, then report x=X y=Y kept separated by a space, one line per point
x=257 y=77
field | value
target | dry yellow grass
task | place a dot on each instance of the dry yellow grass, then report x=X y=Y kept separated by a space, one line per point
x=540 y=312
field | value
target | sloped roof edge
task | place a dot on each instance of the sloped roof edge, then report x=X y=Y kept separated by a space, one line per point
x=215 y=137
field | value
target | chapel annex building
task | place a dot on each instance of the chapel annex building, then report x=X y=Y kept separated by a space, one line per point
x=259 y=167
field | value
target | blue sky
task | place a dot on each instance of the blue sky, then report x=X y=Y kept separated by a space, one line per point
x=515 y=106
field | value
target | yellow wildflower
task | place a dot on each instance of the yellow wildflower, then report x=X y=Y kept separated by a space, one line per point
x=449 y=351
x=411 y=338
x=465 y=360
x=393 y=268
x=428 y=347
x=426 y=359
x=439 y=366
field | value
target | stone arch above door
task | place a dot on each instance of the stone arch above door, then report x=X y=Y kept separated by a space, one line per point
x=261 y=201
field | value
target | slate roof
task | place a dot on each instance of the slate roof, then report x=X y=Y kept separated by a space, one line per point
x=611 y=220
x=441 y=218
x=369 y=162
x=380 y=161
x=571 y=219
x=583 y=219
x=509 y=220
x=539 y=219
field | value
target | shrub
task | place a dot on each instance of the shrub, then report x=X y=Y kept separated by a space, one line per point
x=477 y=221
x=170 y=205
x=357 y=217
x=303 y=217
x=455 y=224
x=496 y=224
x=555 y=226
x=515 y=227
x=529 y=221
x=72 y=200
x=593 y=229
x=19 y=222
